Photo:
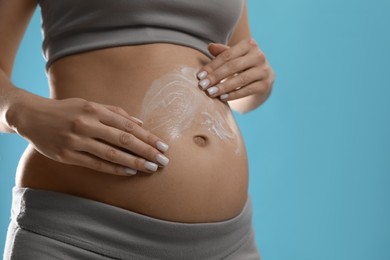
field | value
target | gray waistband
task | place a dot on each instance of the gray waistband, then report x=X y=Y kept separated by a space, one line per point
x=123 y=234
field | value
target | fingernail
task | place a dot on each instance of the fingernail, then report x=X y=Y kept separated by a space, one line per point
x=212 y=90
x=204 y=83
x=202 y=74
x=151 y=166
x=224 y=96
x=162 y=146
x=139 y=121
x=162 y=159
x=130 y=171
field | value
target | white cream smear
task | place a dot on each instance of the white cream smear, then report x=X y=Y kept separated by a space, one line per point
x=174 y=103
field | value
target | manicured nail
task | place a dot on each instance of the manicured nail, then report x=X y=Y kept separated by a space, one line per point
x=130 y=171
x=139 y=121
x=224 y=96
x=162 y=146
x=204 y=83
x=202 y=74
x=162 y=159
x=212 y=90
x=151 y=166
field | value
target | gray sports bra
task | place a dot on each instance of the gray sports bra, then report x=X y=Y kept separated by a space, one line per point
x=72 y=26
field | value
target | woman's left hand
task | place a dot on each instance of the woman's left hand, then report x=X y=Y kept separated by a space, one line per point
x=236 y=72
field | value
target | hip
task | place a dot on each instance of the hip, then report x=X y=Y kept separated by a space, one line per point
x=40 y=227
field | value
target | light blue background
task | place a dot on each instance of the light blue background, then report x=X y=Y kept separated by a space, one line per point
x=319 y=148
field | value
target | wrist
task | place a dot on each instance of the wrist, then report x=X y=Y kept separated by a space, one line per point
x=17 y=111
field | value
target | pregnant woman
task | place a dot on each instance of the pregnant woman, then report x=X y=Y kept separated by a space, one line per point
x=136 y=154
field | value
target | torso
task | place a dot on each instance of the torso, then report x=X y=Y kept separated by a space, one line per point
x=204 y=182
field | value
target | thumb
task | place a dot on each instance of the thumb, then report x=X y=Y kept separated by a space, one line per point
x=217 y=48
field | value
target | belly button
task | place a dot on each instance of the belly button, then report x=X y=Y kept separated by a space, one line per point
x=200 y=140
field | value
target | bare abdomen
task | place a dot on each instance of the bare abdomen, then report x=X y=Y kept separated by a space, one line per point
x=207 y=177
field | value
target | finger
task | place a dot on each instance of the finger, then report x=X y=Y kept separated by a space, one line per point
x=122 y=112
x=238 y=50
x=131 y=143
x=121 y=138
x=238 y=81
x=130 y=127
x=216 y=48
x=97 y=164
x=231 y=68
x=113 y=155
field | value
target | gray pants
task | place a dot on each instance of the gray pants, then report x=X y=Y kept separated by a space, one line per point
x=52 y=225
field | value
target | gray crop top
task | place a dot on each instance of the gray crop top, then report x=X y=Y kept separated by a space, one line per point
x=73 y=26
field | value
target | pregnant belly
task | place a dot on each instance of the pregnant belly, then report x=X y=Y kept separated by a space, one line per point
x=207 y=177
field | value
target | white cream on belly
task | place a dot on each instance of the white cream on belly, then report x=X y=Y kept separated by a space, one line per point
x=174 y=100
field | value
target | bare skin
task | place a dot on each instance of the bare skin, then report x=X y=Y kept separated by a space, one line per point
x=84 y=139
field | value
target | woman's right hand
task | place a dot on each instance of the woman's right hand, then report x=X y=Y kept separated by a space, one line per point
x=84 y=133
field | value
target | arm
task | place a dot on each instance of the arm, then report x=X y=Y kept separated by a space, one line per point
x=243 y=32
x=15 y=15
x=240 y=73
x=72 y=131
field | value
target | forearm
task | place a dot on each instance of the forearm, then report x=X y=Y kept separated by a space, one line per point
x=11 y=99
